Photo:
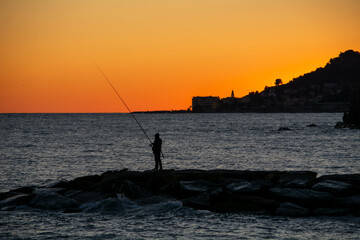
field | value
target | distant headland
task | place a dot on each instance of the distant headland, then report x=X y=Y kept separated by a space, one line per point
x=327 y=89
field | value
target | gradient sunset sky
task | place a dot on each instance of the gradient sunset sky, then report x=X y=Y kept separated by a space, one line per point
x=160 y=53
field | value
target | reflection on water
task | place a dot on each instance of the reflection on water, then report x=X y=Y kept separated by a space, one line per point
x=40 y=147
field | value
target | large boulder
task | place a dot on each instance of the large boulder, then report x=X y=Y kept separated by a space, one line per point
x=133 y=191
x=15 y=192
x=331 y=186
x=348 y=178
x=82 y=183
x=171 y=189
x=20 y=199
x=304 y=197
x=352 y=202
x=246 y=187
x=51 y=200
x=296 y=180
x=87 y=196
x=24 y=190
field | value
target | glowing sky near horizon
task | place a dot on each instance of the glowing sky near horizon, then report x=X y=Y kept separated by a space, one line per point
x=159 y=54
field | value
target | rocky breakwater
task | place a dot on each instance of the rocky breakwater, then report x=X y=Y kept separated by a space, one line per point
x=289 y=193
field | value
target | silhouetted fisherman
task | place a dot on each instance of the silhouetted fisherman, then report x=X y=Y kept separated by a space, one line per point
x=156 y=147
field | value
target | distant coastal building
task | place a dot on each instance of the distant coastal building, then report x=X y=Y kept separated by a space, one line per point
x=230 y=100
x=205 y=104
x=213 y=104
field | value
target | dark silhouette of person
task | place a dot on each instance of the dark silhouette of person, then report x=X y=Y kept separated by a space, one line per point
x=156 y=148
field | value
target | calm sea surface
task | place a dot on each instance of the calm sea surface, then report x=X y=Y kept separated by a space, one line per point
x=38 y=149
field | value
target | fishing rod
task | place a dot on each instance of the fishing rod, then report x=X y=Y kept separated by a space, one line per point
x=132 y=114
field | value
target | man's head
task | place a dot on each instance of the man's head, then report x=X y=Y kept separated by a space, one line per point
x=157 y=135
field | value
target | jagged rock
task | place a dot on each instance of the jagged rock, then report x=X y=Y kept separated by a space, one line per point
x=171 y=189
x=305 y=197
x=24 y=190
x=187 y=189
x=349 y=202
x=50 y=200
x=59 y=184
x=331 y=186
x=85 y=196
x=296 y=180
x=15 y=192
x=241 y=187
x=348 y=178
x=293 y=210
x=331 y=211
x=191 y=188
x=294 y=183
x=82 y=183
x=21 y=199
x=5 y=195
x=133 y=191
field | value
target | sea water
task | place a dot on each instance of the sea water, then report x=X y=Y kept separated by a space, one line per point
x=40 y=149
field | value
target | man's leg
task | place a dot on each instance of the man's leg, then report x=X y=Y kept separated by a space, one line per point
x=156 y=162
x=160 y=165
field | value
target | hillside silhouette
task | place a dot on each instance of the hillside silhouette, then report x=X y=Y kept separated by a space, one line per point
x=327 y=89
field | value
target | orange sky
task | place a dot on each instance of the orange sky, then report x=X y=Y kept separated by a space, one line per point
x=160 y=53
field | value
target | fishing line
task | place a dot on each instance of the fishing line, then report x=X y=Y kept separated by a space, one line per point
x=132 y=114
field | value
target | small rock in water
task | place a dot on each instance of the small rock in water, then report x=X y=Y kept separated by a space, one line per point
x=284 y=129
x=312 y=125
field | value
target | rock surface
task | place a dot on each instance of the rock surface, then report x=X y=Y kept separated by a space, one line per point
x=286 y=193
x=351 y=119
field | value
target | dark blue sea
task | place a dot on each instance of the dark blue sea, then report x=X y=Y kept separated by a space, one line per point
x=41 y=149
